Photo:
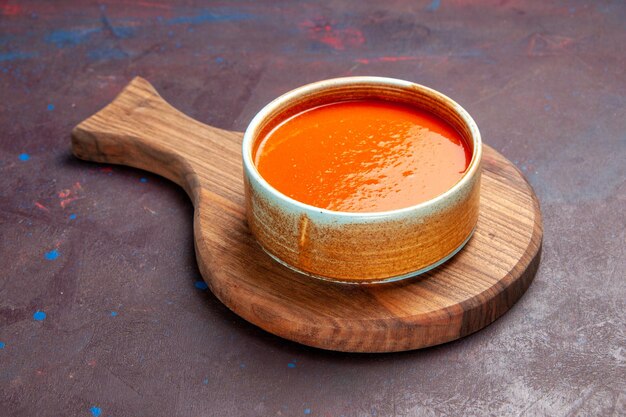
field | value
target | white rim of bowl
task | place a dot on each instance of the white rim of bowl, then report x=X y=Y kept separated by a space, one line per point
x=330 y=84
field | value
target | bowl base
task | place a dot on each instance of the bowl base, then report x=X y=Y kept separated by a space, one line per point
x=369 y=281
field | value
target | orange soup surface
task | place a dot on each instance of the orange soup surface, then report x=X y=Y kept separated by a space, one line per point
x=362 y=156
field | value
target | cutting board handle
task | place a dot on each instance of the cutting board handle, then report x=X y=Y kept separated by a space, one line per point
x=142 y=130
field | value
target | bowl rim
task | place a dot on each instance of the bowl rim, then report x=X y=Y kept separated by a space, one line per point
x=283 y=100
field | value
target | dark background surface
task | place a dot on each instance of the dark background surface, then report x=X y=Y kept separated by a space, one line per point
x=106 y=252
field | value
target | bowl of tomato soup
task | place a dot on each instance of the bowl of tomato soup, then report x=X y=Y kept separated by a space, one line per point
x=362 y=179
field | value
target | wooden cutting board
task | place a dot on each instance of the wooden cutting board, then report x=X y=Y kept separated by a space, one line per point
x=462 y=296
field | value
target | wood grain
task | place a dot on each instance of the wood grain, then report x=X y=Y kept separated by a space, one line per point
x=470 y=291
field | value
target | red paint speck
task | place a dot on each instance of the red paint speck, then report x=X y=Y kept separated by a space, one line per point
x=10 y=9
x=41 y=206
x=67 y=201
x=67 y=195
x=338 y=38
x=396 y=58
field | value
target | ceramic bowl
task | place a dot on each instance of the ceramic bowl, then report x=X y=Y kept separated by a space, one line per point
x=362 y=247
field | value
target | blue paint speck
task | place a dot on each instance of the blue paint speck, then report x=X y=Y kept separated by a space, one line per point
x=24 y=157
x=242 y=365
x=95 y=411
x=433 y=6
x=73 y=216
x=50 y=107
x=219 y=60
x=62 y=38
x=52 y=255
x=39 y=315
x=123 y=32
x=103 y=54
x=143 y=179
x=291 y=365
x=307 y=411
x=206 y=16
x=12 y=56
x=2 y=345
x=201 y=285
x=206 y=381
x=113 y=313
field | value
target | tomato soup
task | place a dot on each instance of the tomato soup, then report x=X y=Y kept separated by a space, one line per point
x=362 y=156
